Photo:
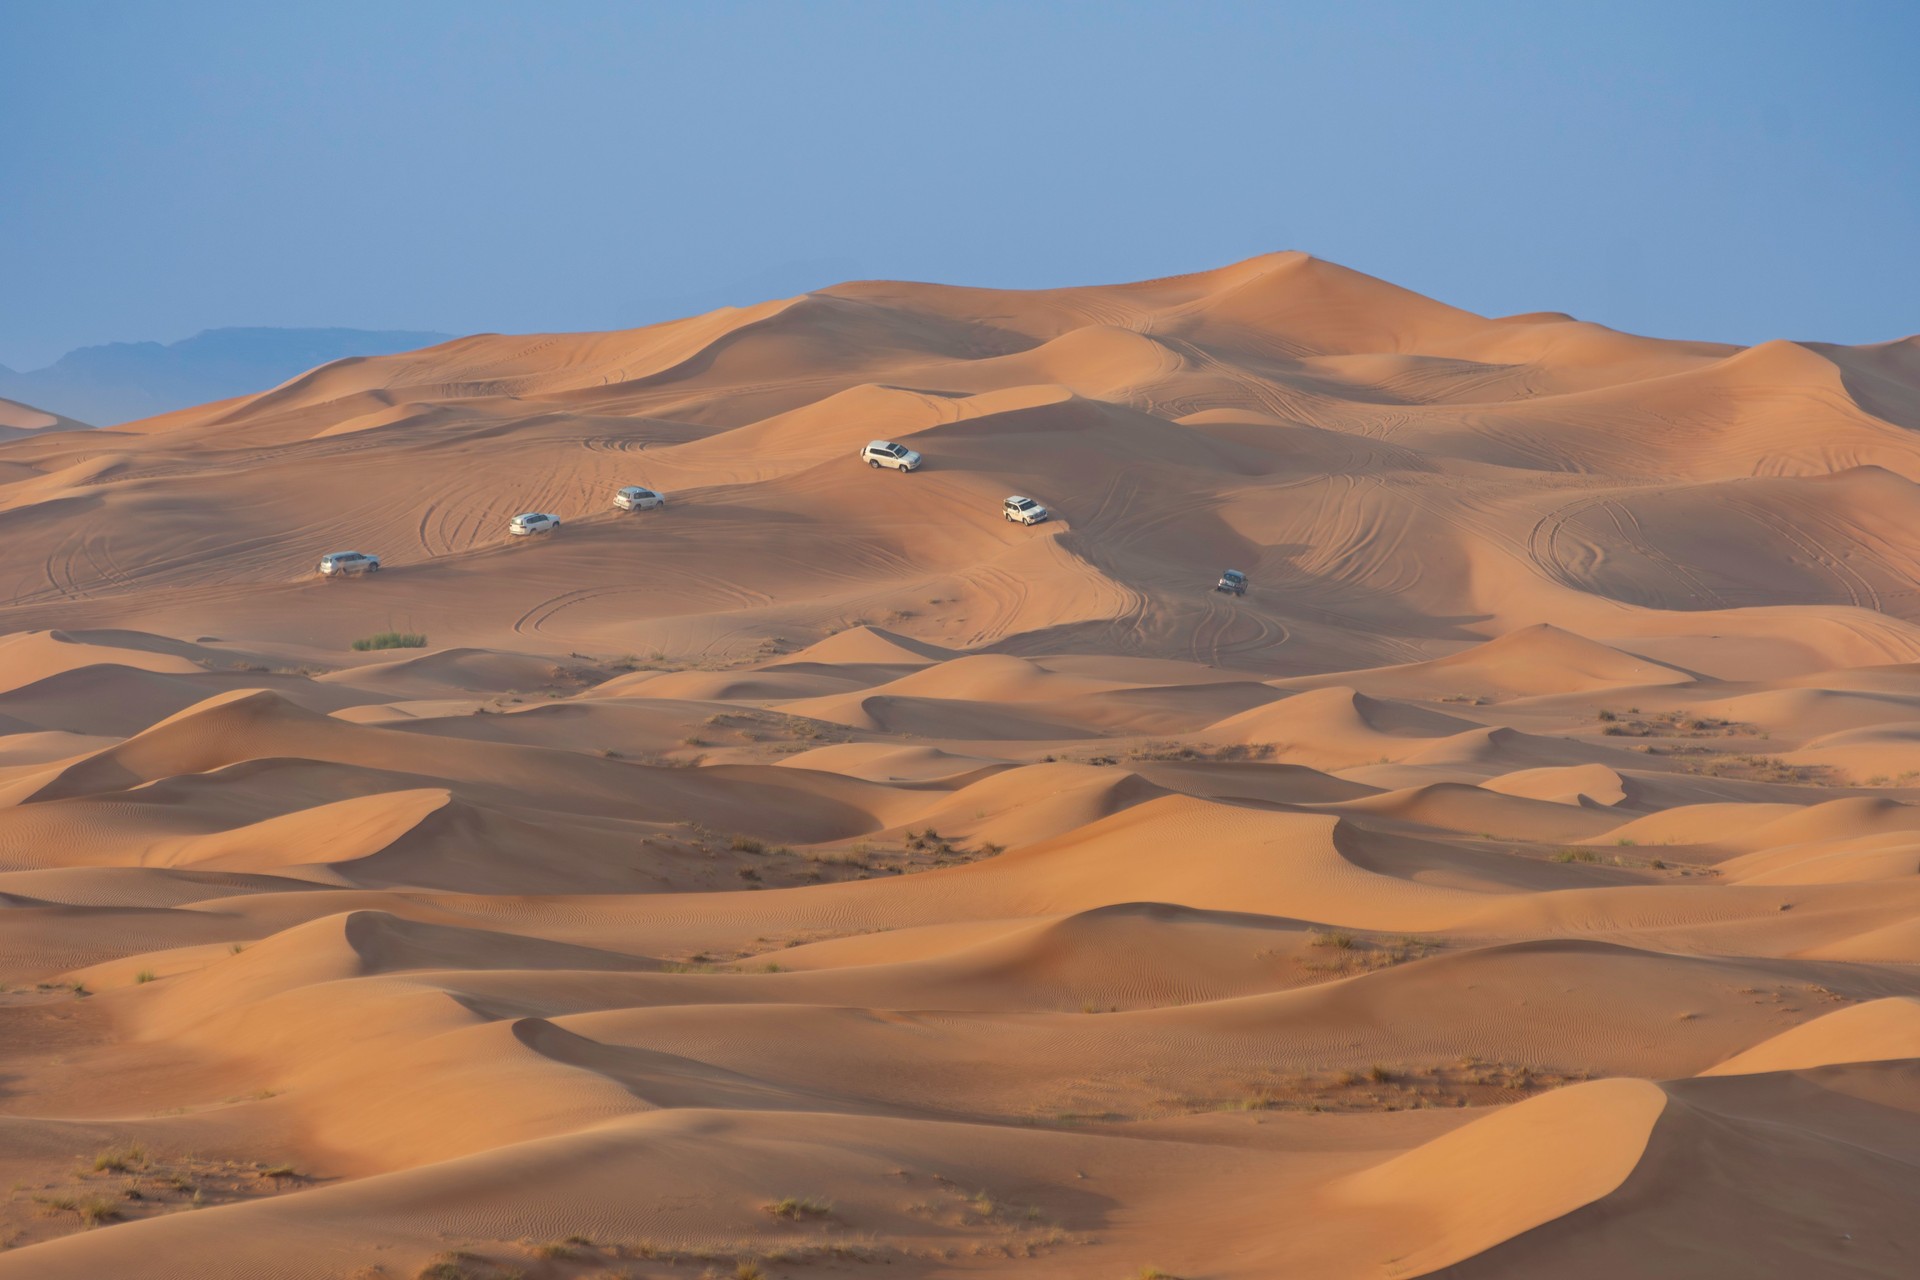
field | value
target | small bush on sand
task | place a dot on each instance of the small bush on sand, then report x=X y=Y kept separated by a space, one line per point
x=390 y=640
x=795 y=1208
x=95 y=1212
x=120 y=1159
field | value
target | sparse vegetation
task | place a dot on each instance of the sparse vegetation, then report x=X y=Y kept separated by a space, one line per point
x=1261 y=1099
x=1390 y=1087
x=1353 y=953
x=390 y=640
x=92 y=1211
x=120 y=1159
x=1671 y=724
x=1169 y=750
x=798 y=1208
x=1756 y=768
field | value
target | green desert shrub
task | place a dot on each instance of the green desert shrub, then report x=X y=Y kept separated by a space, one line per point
x=390 y=640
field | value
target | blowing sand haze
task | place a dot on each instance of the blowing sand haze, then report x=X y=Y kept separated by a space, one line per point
x=835 y=871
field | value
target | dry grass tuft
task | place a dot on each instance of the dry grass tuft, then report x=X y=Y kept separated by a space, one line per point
x=797 y=1208
x=120 y=1159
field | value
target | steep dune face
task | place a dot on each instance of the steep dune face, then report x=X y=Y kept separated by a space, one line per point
x=1878 y=1031
x=1521 y=879
x=1528 y=1165
x=1719 y=1154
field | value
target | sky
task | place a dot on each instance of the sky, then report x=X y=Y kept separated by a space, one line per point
x=1734 y=172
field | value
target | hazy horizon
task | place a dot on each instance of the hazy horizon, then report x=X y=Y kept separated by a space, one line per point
x=1709 y=171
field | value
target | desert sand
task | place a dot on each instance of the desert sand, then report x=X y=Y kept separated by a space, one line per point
x=824 y=876
x=17 y=419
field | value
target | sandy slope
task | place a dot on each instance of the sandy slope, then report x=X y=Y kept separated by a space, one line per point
x=17 y=420
x=1523 y=879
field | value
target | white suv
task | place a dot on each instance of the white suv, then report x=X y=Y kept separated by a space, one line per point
x=634 y=498
x=1024 y=510
x=533 y=522
x=885 y=453
x=342 y=563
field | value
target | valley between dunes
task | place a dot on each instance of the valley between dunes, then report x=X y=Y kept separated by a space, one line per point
x=822 y=876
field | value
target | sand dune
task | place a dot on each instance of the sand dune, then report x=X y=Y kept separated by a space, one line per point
x=1534 y=1162
x=1880 y=1030
x=823 y=873
x=17 y=419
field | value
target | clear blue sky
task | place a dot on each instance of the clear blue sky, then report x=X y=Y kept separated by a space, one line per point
x=1725 y=171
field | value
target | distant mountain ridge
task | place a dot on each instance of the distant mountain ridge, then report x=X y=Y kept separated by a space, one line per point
x=121 y=381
